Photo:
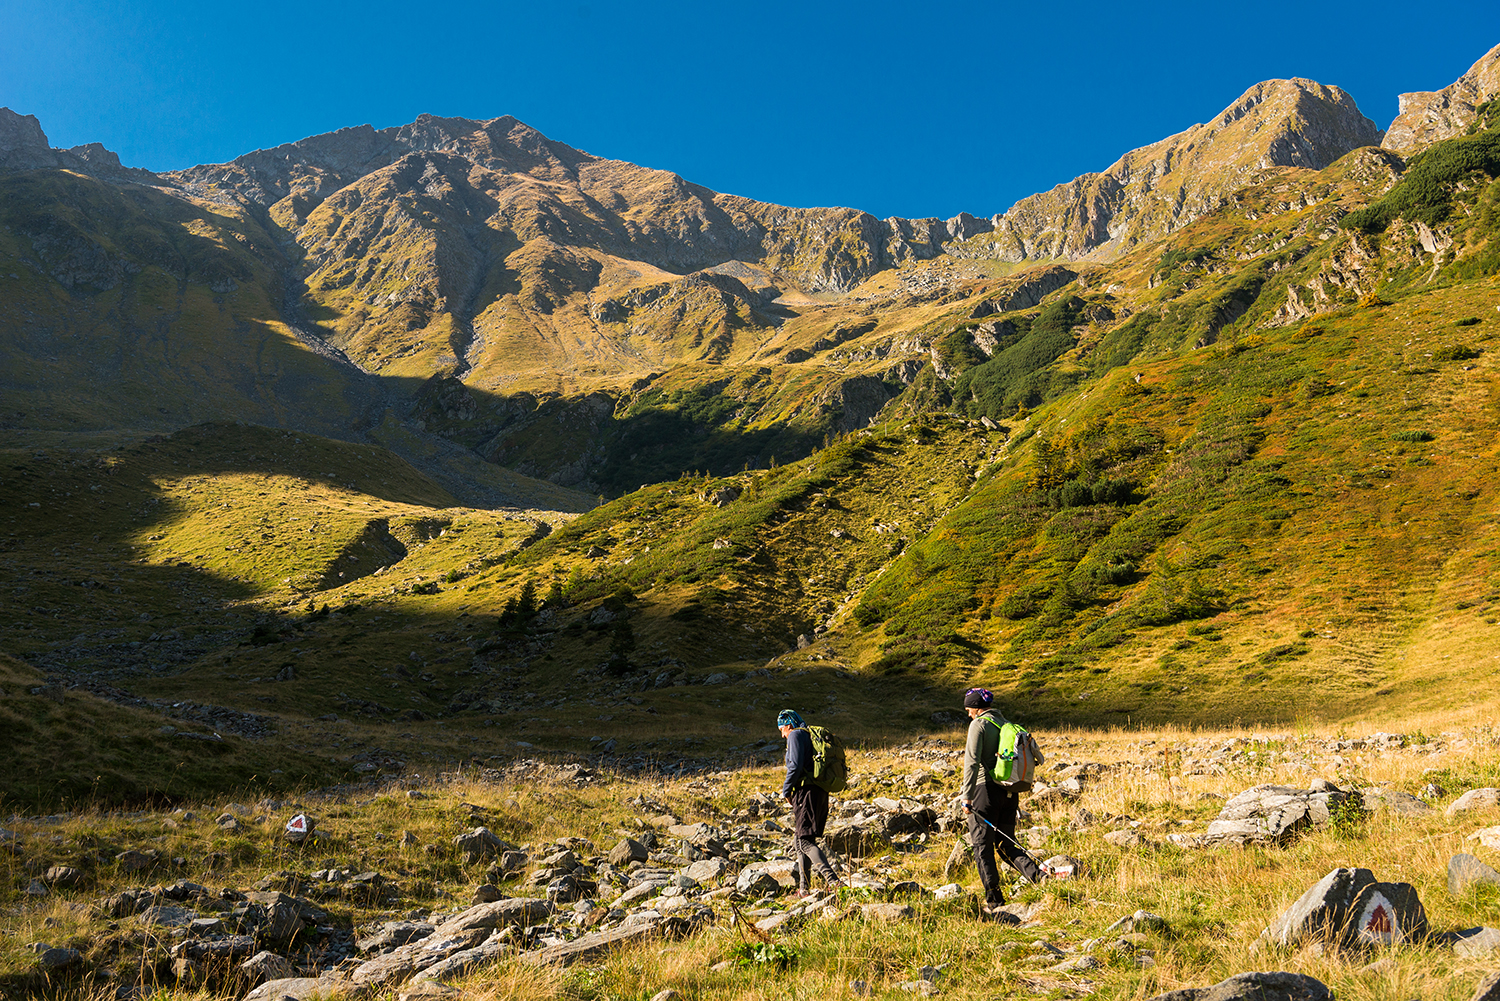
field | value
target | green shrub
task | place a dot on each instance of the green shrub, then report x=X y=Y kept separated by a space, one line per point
x=1425 y=194
x=1413 y=435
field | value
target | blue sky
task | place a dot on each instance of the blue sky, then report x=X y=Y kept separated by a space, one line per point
x=956 y=106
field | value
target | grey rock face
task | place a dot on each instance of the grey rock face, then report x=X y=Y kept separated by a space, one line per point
x=1348 y=906
x=394 y=934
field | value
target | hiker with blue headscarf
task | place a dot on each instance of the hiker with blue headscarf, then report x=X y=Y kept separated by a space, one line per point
x=809 y=804
x=990 y=807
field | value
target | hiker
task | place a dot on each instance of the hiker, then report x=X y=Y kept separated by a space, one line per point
x=809 y=804
x=986 y=800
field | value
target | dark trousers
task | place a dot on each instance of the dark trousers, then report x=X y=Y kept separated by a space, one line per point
x=809 y=817
x=998 y=807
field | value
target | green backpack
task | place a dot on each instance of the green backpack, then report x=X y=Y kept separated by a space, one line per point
x=829 y=772
x=1016 y=758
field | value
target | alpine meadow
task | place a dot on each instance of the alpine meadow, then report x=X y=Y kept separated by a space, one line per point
x=477 y=502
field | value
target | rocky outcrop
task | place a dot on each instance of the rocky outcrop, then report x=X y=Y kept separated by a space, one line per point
x=1426 y=117
x=24 y=146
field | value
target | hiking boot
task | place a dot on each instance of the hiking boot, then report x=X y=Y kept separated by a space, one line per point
x=995 y=913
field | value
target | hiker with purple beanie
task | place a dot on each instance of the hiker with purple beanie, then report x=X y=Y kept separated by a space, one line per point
x=986 y=800
x=809 y=803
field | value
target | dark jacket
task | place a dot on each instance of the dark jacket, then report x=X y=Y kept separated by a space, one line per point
x=799 y=760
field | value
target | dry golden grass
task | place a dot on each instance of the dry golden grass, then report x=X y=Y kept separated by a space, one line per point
x=1215 y=901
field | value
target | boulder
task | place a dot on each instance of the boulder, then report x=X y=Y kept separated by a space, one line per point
x=63 y=876
x=757 y=883
x=480 y=844
x=393 y=935
x=1378 y=797
x=1465 y=871
x=1474 y=799
x=1349 y=906
x=1272 y=814
x=465 y=960
x=706 y=870
x=628 y=851
x=1256 y=987
x=59 y=959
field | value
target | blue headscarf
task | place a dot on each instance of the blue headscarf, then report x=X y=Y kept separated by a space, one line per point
x=789 y=717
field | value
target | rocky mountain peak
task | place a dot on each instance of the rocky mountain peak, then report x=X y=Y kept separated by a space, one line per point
x=1152 y=191
x=1427 y=117
x=23 y=144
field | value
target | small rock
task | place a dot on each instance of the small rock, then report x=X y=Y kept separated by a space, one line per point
x=948 y=891
x=1488 y=837
x=1126 y=838
x=64 y=876
x=926 y=988
x=860 y=988
x=486 y=894
x=57 y=959
x=1078 y=965
x=666 y=995
x=188 y=973
x=36 y=888
x=887 y=912
x=265 y=966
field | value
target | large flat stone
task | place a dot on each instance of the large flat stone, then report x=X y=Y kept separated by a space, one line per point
x=588 y=947
x=517 y=911
x=301 y=988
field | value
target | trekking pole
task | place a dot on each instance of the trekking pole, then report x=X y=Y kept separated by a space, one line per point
x=1039 y=866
